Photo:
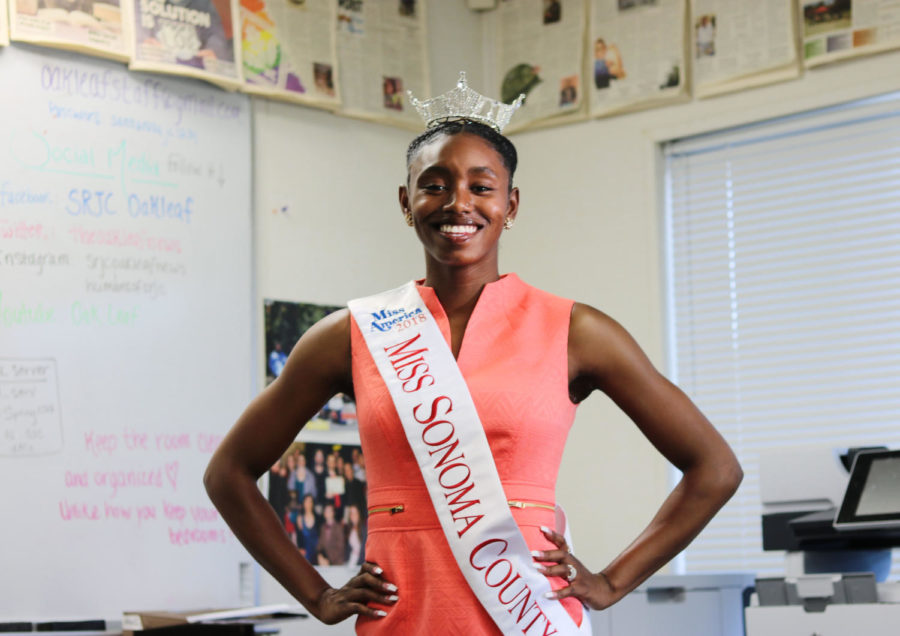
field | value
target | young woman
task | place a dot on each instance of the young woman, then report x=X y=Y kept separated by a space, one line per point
x=527 y=358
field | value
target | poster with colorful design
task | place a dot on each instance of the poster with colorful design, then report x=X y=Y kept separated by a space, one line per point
x=187 y=37
x=95 y=27
x=288 y=50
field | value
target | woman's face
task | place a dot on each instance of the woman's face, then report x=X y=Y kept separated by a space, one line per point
x=459 y=197
x=308 y=503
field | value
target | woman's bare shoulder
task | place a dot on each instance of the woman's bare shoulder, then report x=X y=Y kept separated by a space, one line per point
x=601 y=351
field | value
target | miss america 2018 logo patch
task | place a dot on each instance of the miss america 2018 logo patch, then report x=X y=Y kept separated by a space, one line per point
x=387 y=319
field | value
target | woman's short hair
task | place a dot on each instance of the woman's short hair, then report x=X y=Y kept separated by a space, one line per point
x=498 y=142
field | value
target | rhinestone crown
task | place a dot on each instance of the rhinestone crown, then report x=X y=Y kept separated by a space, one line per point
x=464 y=103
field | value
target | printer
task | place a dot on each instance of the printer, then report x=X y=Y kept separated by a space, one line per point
x=836 y=514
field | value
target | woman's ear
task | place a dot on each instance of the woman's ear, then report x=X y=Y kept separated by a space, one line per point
x=513 y=208
x=404 y=200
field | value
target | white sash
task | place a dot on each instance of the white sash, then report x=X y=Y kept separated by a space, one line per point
x=448 y=441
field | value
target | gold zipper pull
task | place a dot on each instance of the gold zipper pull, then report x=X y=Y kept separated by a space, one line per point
x=529 y=504
x=391 y=509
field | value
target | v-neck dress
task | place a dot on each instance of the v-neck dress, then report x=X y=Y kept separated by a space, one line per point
x=515 y=362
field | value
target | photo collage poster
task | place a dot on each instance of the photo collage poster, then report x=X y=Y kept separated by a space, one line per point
x=382 y=54
x=837 y=29
x=318 y=487
x=95 y=27
x=188 y=37
x=740 y=45
x=538 y=55
x=636 y=54
x=288 y=50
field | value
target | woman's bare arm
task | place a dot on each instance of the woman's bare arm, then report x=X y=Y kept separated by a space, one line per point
x=318 y=367
x=603 y=356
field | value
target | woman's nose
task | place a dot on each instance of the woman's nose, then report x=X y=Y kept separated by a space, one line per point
x=460 y=200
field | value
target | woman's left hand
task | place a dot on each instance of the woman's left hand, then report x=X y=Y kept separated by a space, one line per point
x=594 y=590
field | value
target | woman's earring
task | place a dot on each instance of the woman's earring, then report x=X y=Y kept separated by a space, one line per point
x=508 y=223
x=408 y=216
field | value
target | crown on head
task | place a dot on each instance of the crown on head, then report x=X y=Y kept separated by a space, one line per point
x=464 y=103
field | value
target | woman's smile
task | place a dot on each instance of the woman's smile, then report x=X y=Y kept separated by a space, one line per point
x=457 y=232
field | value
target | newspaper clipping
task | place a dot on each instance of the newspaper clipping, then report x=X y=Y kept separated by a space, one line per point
x=838 y=29
x=382 y=53
x=539 y=54
x=737 y=45
x=636 y=54
x=186 y=37
x=288 y=50
x=94 y=27
x=4 y=26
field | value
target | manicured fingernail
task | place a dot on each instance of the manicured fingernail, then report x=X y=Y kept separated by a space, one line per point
x=550 y=595
x=545 y=530
x=537 y=554
x=537 y=566
x=390 y=587
x=393 y=597
x=380 y=613
x=378 y=570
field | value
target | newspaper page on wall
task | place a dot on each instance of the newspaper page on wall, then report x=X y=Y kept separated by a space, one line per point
x=4 y=25
x=737 y=45
x=539 y=54
x=288 y=50
x=382 y=53
x=187 y=37
x=636 y=54
x=838 y=29
x=95 y=27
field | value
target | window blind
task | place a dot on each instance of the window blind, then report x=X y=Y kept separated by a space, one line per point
x=783 y=265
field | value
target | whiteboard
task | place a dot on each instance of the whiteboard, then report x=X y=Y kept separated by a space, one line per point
x=125 y=334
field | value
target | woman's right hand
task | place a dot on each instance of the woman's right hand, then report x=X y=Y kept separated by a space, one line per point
x=336 y=604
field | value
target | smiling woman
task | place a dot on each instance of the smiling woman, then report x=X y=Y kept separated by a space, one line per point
x=464 y=404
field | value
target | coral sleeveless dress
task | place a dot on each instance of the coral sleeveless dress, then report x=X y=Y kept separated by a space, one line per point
x=515 y=362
